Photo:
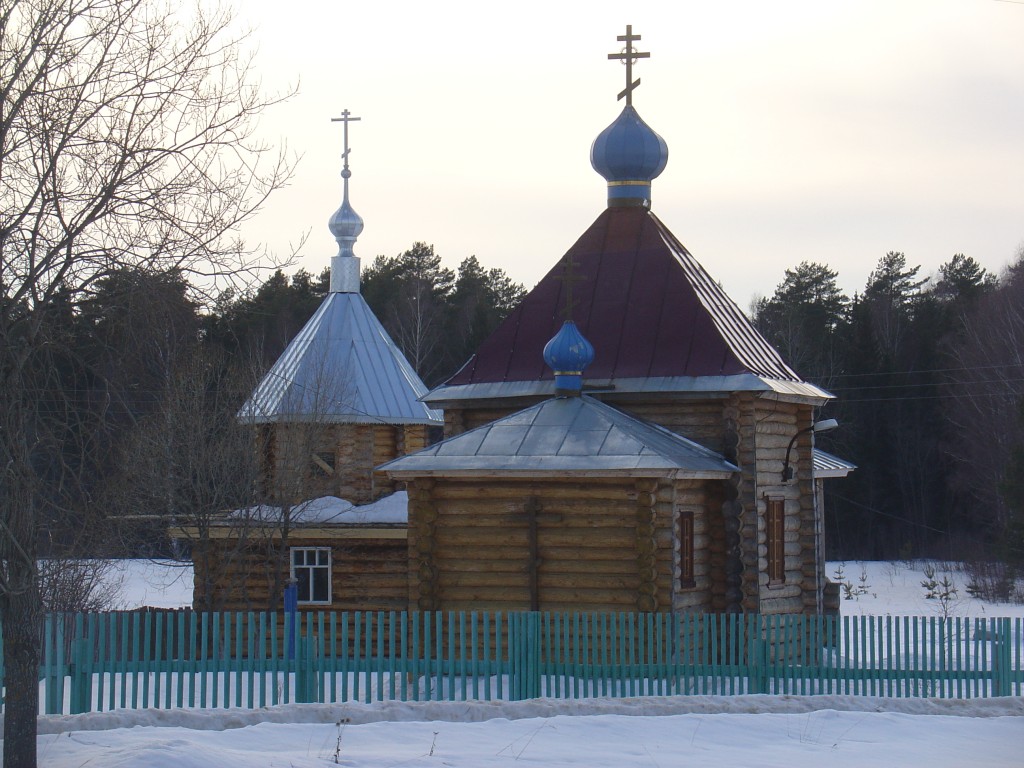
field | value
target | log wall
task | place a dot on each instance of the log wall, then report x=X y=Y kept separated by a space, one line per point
x=305 y=461
x=777 y=423
x=503 y=545
x=705 y=500
x=753 y=433
x=366 y=574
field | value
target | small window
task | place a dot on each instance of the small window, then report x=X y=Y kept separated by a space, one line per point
x=687 y=579
x=311 y=569
x=323 y=463
x=775 y=535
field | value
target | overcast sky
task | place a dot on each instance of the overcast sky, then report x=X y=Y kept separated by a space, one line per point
x=824 y=130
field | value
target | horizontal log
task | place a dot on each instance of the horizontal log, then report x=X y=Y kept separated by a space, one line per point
x=519 y=492
x=353 y=594
x=484 y=596
x=298 y=536
x=377 y=579
x=581 y=599
x=451 y=540
x=588 y=582
x=483 y=579
x=546 y=521
x=548 y=565
x=775 y=605
x=770 y=442
x=707 y=422
x=546 y=581
x=597 y=553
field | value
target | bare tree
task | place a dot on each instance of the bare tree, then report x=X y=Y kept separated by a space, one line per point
x=188 y=463
x=989 y=382
x=126 y=139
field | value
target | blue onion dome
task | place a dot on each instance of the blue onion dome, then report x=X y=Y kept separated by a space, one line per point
x=567 y=354
x=629 y=154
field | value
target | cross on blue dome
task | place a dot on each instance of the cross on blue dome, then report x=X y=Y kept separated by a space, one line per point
x=628 y=153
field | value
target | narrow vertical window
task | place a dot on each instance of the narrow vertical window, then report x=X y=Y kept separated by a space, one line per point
x=687 y=578
x=311 y=569
x=776 y=540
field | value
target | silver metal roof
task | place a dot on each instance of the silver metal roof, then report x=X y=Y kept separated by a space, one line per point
x=565 y=436
x=827 y=465
x=342 y=367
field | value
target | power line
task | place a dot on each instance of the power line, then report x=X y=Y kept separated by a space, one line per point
x=971 y=382
x=866 y=508
x=921 y=371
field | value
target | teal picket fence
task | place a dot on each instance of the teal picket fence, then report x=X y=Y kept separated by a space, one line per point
x=97 y=662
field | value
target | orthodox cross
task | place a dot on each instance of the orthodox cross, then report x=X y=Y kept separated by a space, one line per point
x=346 y=118
x=628 y=56
x=568 y=279
x=534 y=512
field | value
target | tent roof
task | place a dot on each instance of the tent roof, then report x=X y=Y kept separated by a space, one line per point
x=342 y=367
x=649 y=308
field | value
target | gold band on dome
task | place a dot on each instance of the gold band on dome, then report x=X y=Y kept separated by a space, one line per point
x=629 y=183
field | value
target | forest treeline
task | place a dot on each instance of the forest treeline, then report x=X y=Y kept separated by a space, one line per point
x=929 y=383
x=928 y=377
x=140 y=383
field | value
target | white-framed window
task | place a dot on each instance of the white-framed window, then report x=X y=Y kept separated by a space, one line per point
x=311 y=569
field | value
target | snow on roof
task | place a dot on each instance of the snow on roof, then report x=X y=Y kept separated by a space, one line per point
x=330 y=510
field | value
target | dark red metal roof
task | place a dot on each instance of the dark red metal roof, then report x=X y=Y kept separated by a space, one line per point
x=642 y=300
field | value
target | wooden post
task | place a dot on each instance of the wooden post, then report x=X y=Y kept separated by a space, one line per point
x=532 y=507
x=81 y=676
x=646 y=546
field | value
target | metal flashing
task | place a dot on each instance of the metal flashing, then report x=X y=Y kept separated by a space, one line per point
x=565 y=436
x=826 y=465
x=448 y=394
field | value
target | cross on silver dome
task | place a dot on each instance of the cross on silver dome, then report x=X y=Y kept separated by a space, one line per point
x=345 y=225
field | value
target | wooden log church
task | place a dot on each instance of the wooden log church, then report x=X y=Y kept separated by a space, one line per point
x=625 y=440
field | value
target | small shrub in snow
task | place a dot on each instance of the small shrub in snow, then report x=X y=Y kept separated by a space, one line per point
x=942 y=590
x=994 y=581
x=850 y=590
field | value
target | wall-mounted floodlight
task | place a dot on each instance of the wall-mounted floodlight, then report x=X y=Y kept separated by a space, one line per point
x=819 y=426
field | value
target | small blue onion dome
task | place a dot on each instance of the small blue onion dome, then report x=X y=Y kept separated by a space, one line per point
x=629 y=154
x=567 y=354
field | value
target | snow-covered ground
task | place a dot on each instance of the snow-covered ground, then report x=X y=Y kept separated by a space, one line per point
x=751 y=731
x=788 y=731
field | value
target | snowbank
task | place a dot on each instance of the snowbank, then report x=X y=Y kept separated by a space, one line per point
x=475 y=712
